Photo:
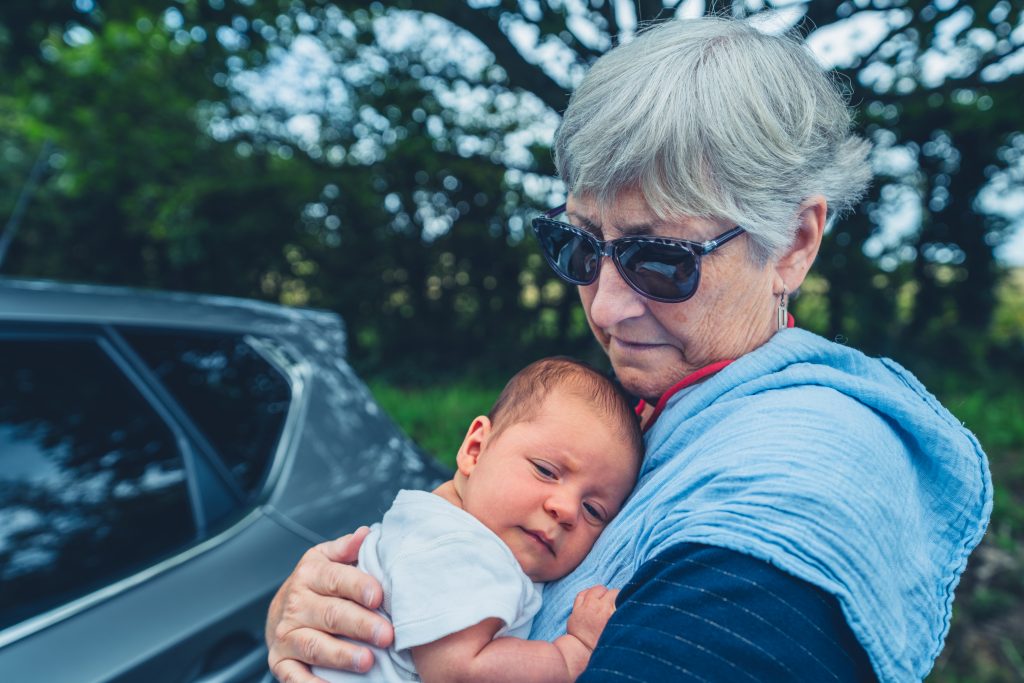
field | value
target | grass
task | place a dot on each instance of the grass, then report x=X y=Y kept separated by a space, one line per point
x=996 y=416
x=436 y=417
x=986 y=641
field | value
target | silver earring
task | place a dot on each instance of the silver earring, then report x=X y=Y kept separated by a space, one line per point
x=783 y=312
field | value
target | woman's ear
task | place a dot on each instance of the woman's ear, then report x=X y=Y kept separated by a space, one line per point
x=792 y=267
x=473 y=445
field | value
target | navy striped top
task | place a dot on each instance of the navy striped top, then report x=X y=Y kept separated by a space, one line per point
x=702 y=613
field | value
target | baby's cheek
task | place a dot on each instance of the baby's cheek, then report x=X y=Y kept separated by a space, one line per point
x=585 y=546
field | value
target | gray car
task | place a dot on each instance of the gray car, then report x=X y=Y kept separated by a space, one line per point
x=165 y=459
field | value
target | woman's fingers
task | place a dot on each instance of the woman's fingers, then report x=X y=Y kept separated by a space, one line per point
x=346 y=548
x=290 y=671
x=335 y=580
x=324 y=596
x=301 y=638
x=329 y=597
x=294 y=652
x=345 y=618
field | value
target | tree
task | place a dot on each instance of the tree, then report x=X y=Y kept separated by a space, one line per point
x=383 y=161
x=955 y=121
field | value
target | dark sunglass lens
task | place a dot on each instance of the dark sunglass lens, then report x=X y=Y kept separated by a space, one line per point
x=665 y=271
x=572 y=255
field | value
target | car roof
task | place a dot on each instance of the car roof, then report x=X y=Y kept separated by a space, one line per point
x=46 y=300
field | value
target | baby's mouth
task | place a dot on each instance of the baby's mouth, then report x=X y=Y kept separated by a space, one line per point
x=542 y=539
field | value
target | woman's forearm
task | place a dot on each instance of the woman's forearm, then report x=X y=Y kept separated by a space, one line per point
x=704 y=613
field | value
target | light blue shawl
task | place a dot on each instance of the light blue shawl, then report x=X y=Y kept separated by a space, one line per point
x=840 y=469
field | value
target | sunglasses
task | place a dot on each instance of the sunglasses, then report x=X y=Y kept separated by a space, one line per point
x=660 y=268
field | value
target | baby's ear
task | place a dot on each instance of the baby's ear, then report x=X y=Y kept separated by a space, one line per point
x=473 y=445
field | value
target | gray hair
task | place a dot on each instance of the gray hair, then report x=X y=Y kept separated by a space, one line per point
x=712 y=118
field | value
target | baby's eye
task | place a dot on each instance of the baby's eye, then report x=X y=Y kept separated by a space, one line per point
x=595 y=512
x=543 y=470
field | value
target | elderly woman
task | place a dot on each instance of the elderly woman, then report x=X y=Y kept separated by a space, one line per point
x=804 y=512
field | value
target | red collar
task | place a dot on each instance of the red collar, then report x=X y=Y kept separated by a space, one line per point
x=690 y=380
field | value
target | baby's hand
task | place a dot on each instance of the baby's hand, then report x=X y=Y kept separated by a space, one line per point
x=591 y=611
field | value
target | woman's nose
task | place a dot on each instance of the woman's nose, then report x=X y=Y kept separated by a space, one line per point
x=611 y=299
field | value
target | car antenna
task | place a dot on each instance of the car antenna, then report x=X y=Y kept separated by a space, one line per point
x=11 y=229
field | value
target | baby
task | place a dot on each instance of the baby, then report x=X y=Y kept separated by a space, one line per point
x=537 y=481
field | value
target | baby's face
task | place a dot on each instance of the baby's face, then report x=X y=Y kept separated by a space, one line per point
x=548 y=487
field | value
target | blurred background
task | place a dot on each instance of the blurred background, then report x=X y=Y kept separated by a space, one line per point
x=383 y=160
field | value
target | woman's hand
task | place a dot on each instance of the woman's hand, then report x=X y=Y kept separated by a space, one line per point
x=325 y=595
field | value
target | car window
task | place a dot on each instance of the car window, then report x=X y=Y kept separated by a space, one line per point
x=92 y=484
x=233 y=395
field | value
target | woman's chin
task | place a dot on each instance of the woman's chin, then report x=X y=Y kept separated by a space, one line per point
x=647 y=372
x=644 y=383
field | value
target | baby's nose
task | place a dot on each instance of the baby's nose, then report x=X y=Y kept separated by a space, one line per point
x=563 y=509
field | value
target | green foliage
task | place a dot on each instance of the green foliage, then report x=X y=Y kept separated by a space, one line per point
x=992 y=409
x=1008 y=318
x=194 y=149
x=436 y=417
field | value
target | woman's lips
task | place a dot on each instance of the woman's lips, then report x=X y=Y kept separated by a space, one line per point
x=632 y=346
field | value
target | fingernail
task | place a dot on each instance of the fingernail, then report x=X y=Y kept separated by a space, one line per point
x=378 y=635
x=367 y=596
x=361 y=660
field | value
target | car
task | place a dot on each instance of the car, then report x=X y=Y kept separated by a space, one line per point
x=165 y=459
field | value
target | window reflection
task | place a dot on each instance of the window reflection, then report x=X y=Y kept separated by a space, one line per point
x=92 y=486
x=235 y=397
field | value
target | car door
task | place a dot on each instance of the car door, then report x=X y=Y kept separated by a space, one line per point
x=129 y=549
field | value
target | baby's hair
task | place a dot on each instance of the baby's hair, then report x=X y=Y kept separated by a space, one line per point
x=526 y=391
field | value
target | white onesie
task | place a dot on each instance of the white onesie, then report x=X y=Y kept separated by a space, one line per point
x=442 y=571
